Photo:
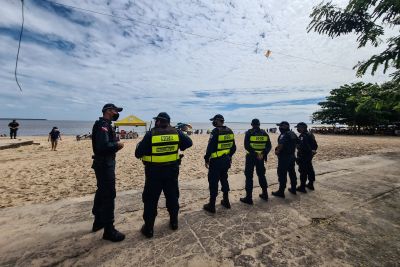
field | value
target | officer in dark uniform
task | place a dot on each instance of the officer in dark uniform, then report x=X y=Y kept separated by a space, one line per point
x=13 y=129
x=306 y=149
x=257 y=145
x=105 y=146
x=285 y=151
x=159 y=151
x=220 y=149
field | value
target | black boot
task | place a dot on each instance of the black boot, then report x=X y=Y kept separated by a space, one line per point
x=264 y=194
x=292 y=190
x=225 y=201
x=247 y=199
x=112 y=234
x=147 y=230
x=210 y=206
x=97 y=226
x=310 y=185
x=302 y=188
x=173 y=222
x=279 y=193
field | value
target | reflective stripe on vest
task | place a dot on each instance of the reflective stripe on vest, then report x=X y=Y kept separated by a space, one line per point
x=225 y=143
x=258 y=142
x=164 y=148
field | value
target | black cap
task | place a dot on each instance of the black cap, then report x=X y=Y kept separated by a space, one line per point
x=283 y=123
x=163 y=116
x=111 y=106
x=301 y=124
x=255 y=122
x=217 y=117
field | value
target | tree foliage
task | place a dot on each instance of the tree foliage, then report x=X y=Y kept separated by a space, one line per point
x=361 y=105
x=366 y=18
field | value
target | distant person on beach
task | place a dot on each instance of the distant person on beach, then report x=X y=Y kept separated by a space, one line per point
x=285 y=151
x=159 y=151
x=306 y=149
x=105 y=147
x=54 y=136
x=14 y=125
x=257 y=144
x=218 y=159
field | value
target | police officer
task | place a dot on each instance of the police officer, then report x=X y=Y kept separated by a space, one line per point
x=306 y=149
x=13 y=129
x=105 y=146
x=285 y=151
x=258 y=145
x=159 y=151
x=220 y=149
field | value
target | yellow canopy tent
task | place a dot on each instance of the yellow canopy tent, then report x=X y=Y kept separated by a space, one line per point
x=131 y=120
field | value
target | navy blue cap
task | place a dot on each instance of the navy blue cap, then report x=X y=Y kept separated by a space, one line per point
x=301 y=124
x=217 y=117
x=111 y=106
x=255 y=122
x=283 y=123
x=163 y=116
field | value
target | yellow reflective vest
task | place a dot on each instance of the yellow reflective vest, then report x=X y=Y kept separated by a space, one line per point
x=225 y=143
x=164 y=146
x=258 y=141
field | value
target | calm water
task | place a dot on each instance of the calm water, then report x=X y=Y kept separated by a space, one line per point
x=32 y=127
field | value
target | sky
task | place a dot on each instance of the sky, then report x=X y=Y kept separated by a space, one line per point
x=73 y=62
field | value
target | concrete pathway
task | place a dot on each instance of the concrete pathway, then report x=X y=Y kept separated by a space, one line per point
x=352 y=219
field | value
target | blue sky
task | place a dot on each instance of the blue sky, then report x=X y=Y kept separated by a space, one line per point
x=72 y=62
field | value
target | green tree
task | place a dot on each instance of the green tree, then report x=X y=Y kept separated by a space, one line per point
x=366 y=18
x=361 y=105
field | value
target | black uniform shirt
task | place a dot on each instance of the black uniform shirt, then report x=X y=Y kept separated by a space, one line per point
x=256 y=131
x=13 y=125
x=306 y=144
x=288 y=140
x=213 y=144
x=104 y=141
x=144 y=146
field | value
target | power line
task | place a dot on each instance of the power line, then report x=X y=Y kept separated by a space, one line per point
x=151 y=24
x=19 y=45
x=194 y=34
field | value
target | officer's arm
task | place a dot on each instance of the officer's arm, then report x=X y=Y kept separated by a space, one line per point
x=268 y=146
x=247 y=144
x=233 y=149
x=281 y=144
x=212 y=142
x=142 y=146
x=103 y=144
x=184 y=141
x=314 y=145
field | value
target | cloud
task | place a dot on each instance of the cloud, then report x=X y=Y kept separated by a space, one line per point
x=72 y=62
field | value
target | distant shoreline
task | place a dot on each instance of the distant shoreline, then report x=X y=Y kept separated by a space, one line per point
x=21 y=119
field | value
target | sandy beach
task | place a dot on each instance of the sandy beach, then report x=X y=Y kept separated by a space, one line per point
x=34 y=174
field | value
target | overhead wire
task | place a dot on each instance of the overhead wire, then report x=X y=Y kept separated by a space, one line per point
x=19 y=46
x=195 y=34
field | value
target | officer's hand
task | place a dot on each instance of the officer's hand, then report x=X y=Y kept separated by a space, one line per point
x=120 y=145
x=207 y=165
